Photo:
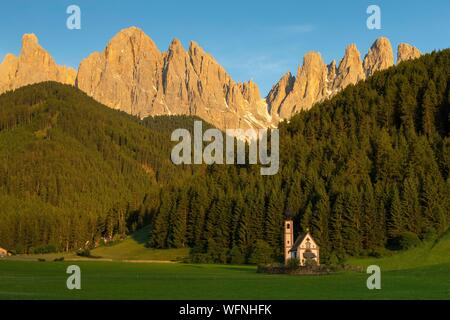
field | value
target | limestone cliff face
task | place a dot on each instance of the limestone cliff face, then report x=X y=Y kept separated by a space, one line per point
x=380 y=57
x=332 y=72
x=126 y=75
x=315 y=81
x=33 y=65
x=279 y=93
x=407 y=52
x=134 y=76
x=8 y=70
x=293 y=95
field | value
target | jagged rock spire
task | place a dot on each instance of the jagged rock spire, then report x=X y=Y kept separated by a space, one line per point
x=33 y=65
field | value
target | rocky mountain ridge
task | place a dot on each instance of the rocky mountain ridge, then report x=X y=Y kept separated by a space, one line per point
x=316 y=81
x=134 y=76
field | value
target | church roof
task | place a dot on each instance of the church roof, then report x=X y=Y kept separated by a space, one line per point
x=299 y=240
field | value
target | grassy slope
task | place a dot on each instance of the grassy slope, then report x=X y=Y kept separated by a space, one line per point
x=133 y=248
x=428 y=254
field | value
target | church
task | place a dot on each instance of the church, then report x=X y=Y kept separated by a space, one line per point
x=304 y=248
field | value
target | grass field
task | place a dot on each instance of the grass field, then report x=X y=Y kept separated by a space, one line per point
x=420 y=273
x=120 y=280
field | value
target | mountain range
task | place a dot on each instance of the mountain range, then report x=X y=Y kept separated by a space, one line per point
x=134 y=76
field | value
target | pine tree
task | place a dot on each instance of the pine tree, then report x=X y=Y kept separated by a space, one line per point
x=369 y=217
x=306 y=218
x=319 y=220
x=428 y=109
x=351 y=222
x=295 y=196
x=396 y=220
x=274 y=221
x=178 y=222
x=411 y=205
x=336 y=228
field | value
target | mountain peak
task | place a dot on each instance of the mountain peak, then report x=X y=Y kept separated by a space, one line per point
x=33 y=65
x=31 y=46
x=194 y=46
x=250 y=91
x=312 y=58
x=176 y=45
x=350 y=69
x=131 y=40
x=379 y=57
x=351 y=59
x=123 y=76
x=9 y=57
x=407 y=52
x=131 y=31
x=351 y=49
x=29 y=38
x=291 y=94
x=381 y=41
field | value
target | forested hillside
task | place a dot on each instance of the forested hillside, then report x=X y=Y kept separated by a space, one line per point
x=366 y=170
x=73 y=170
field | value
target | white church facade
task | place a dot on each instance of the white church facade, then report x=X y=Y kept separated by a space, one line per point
x=303 y=249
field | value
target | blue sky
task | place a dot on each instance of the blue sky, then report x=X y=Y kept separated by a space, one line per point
x=259 y=40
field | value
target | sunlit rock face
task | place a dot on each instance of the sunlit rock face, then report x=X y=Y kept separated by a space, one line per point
x=316 y=81
x=33 y=65
x=132 y=75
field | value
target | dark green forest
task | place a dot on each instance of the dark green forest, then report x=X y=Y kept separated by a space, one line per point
x=73 y=170
x=364 y=171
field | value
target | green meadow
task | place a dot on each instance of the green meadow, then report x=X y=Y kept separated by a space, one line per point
x=124 y=271
x=121 y=280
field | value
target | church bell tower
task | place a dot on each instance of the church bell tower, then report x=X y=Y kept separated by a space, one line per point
x=288 y=239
